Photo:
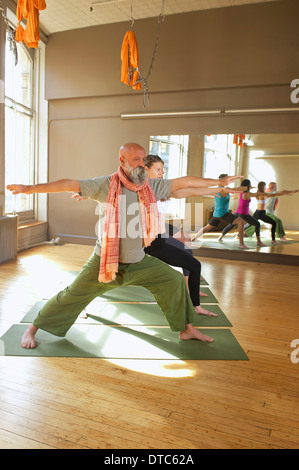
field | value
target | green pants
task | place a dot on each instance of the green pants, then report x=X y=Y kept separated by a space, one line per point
x=166 y=284
x=279 y=227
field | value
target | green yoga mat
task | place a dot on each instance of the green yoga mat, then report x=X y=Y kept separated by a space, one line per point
x=140 y=294
x=229 y=243
x=132 y=314
x=203 y=282
x=125 y=343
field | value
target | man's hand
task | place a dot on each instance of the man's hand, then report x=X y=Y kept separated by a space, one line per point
x=78 y=197
x=59 y=186
x=228 y=180
x=20 y=188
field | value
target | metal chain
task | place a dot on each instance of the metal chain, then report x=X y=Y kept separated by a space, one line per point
x=144 y=80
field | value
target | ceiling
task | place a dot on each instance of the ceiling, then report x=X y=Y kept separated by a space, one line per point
x=62 y=15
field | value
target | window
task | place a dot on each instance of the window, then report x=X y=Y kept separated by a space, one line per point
x=219 y=155
x=19 y=129
x=173 y=149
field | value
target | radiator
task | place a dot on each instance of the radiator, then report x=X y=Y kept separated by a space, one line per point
x=8 y=237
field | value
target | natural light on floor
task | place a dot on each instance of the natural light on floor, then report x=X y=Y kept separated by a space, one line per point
x=161 y=368
x=53 y=280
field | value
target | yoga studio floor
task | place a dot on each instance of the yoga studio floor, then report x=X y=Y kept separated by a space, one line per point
x=69 y=402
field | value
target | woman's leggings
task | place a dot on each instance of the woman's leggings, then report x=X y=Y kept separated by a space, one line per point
x=250 y=221
x=261 y=215
x=174 y=253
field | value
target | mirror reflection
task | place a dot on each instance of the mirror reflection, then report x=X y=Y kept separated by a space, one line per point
x=258 y=158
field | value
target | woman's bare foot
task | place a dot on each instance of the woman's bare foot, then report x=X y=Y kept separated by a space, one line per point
x=283 y=239
x=83 y=314
x=243 y=247
x=220 y=238
x=201 y=311
x=260 y=244
x=274 y=242
x=28 y=339
x=202 y=294
x=192 y=333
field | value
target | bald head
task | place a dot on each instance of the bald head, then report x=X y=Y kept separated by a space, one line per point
x=131 y=157
x=130 y=148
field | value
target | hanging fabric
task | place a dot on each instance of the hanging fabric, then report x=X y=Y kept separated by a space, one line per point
x=29 y=10
x=130 y=56
x=239 y=139
x=130 y=74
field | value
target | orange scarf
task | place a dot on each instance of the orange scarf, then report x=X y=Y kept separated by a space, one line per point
x=129 y=56
x=111 y=234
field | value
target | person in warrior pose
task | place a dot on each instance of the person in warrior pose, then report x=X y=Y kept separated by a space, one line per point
x=221 y=212
x=169 y=249
x=271 y=206
x=119 y=258
x=260 y=213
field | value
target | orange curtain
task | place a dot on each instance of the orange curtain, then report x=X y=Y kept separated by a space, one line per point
x=130 y=56
x=29 y=10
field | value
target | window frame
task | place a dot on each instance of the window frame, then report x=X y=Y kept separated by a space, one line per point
x=27 y=215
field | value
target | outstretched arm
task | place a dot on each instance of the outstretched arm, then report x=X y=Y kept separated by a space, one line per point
x=187 y=182
x=182 y=193
x=59 y=186
x=284 y=192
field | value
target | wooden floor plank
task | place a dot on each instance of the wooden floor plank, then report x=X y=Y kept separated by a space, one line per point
x=106 y=404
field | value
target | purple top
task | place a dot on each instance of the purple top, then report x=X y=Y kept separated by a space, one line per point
x=243 y=207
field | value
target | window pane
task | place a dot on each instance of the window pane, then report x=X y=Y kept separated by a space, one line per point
x=219 y=155
x=173 y=150
x=18 y=78
x=18 y=158
x=19 y=126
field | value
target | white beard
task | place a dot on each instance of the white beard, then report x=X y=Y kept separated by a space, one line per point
x=137 y=175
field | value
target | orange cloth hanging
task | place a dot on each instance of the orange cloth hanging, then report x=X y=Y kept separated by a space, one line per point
x=29 y=10
x=130 y=56
x=239 y=139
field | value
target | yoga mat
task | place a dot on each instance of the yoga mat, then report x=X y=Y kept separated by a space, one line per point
x=229 y=243
x=140 y=294
x=203 y=282
x=132 y=314
x=125 y=343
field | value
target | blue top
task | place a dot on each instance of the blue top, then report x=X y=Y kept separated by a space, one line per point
x=221 y=205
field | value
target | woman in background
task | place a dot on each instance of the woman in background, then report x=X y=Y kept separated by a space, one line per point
x=260 y=213
x=169 y=249
x=271 y=206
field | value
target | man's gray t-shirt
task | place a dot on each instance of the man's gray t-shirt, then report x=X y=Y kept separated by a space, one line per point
x=131 y=238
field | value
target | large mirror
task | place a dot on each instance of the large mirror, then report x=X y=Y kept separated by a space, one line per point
x=258 y=157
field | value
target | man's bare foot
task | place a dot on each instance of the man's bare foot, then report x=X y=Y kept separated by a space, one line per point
x=192 y=333
x=28 y=339
x=202 y=294
x=201 y=311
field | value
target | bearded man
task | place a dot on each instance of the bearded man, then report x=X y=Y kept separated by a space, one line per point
x=119 y=258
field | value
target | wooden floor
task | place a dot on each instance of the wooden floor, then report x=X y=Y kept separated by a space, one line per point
x=71 y=403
